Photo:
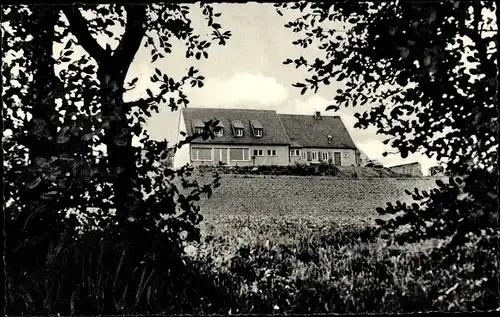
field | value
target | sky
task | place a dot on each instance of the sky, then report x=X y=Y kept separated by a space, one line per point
x=248 y=72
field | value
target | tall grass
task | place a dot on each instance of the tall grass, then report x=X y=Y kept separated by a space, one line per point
x=249 y=267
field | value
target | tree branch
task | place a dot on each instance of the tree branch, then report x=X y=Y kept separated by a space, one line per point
x=78 y=26
x=135 y=30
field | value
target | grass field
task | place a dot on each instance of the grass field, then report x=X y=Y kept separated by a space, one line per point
x=306 y=201
x=285 y=244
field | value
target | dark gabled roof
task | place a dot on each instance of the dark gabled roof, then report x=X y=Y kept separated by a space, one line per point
x=273 y=132
x=306 y=131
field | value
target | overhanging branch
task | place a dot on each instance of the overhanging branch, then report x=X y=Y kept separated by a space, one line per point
x=78 y=26
x=135 y=30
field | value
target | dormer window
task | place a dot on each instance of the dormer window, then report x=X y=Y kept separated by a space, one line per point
x=257 y=128
x=219 y=130
x=198 y=126
x=238 y=128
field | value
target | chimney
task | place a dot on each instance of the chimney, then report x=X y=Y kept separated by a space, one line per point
x=317 y=115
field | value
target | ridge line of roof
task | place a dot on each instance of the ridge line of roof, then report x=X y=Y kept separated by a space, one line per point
x=242 y=109
x=398 y=165
x=304 y=115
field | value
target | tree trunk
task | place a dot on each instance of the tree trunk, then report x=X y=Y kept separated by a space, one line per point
x=41 y=26
x=118 y=139
x=113 y=68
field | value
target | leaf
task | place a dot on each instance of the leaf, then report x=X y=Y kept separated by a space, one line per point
x=216 y=26
x=380 y=222
x=158 y=71
x=34 y=183
x=40 y=161
x=149 y=92
x=63 y=135
x=88 y=69
x=440 y=183
x=380 y=210
x=471 y=59
x=88 y=136
x=68 y=44
x=68 y=53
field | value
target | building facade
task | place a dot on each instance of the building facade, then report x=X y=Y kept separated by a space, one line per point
x=263 y=137
x=411 y=169
x=319 y=139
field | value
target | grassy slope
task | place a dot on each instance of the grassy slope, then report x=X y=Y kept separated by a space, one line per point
x=313 y=198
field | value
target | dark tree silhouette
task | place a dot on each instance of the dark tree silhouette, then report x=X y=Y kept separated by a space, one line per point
x=59 y=114
x=425 y=75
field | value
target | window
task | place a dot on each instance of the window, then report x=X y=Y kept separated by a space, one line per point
x=238 y=132
x=199 y=130
x=239 y=155
x=324 y=156
x=258 y=153
x=219 y=132
x=295 y=152
x=257 y=128
x=201 y=154
x=237 y=128
x=304 y=155
x=314 y=155
x=271 y=153
x=346 y=154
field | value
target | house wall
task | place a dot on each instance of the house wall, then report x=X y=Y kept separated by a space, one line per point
x=345 y=161
x=181 y=156
x=281 y=157
x=410 y=169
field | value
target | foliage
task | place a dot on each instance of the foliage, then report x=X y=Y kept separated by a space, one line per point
x=69 y=157
x=427 y=73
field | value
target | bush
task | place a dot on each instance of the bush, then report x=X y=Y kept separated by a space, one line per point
x=297 y=170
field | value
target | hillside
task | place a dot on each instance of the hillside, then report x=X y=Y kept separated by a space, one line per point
x=317 y=198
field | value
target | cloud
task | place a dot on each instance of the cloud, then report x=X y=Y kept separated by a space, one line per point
x=242 y=90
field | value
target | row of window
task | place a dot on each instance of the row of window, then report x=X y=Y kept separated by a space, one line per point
x=261 y=153
x=220 y=154
x=256 y=127
x=314 y=155
x=243 y=154
x=219 y=132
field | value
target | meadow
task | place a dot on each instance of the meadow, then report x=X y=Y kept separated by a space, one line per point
x=287 y=206
x=286 y=244
x=269 y=245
